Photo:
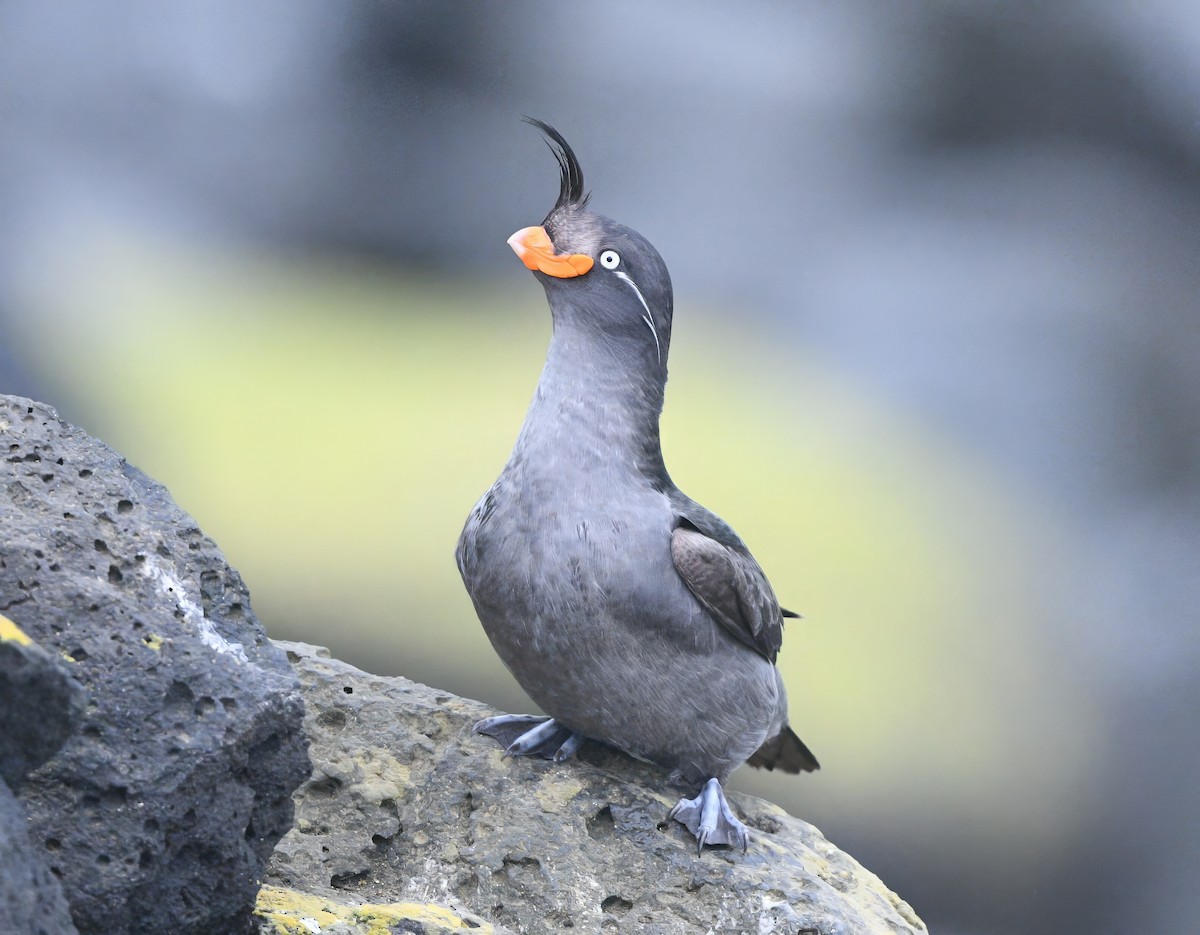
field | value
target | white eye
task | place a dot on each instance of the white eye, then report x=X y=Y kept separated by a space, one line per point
x=610 y=259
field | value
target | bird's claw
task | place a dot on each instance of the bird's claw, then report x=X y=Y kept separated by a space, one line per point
x=568 y=748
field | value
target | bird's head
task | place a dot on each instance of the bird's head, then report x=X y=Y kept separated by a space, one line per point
x=598 y=274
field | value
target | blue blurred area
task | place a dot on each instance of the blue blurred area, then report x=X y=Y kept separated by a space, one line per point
x=982 y=217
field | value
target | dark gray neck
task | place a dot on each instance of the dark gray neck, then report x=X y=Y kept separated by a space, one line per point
x=596 y=407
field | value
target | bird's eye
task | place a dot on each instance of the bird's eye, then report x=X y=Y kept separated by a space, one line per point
x=610 y=259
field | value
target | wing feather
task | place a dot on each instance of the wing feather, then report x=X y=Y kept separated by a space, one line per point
x=731 y=587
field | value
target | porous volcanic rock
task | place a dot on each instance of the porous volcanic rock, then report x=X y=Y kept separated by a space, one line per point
x=31 y=899
x=40 y=704
x=159 y=812
x=406 y=804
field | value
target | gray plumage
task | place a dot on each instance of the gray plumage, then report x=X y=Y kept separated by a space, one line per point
x=628 y=612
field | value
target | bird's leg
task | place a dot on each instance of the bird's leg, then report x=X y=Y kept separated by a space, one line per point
x=709 y=817
x=530 y=735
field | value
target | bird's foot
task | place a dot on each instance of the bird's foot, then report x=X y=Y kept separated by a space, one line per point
x=530 y=735
x=709 y=817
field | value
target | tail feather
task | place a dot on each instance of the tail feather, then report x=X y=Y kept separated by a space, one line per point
x=785 y=751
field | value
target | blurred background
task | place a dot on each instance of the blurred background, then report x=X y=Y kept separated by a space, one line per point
x=936 y=357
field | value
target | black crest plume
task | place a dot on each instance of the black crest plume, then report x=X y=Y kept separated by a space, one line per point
x=570 y=185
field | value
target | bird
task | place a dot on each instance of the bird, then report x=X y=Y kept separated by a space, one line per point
x=629 y=613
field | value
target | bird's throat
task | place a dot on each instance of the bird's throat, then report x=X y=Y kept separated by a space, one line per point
x=595 y=409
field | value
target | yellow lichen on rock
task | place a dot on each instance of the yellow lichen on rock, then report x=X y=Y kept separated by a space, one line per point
x=383 y=776
x=373 y=774
x=554 y=795
x=289 y=912
x=10 y=631
x=380 y=917
x=293 y=913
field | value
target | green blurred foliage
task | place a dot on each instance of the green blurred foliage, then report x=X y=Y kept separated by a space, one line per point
x=332 y=425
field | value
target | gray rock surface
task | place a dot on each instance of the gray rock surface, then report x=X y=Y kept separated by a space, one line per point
x=40 y=704
x=406 y=804
x=31 y=899
x=158 y=813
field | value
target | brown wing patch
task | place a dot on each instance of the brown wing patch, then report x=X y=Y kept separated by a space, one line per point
x=731 y=587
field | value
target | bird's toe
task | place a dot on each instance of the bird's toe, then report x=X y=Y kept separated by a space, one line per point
x=568 y=748
x=531 y=735
x=506 y=728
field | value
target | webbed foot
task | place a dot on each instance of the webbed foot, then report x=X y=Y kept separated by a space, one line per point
x=709 y=817
x=530 y=735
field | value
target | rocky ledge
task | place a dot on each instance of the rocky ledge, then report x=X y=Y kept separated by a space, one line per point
x=408 y=813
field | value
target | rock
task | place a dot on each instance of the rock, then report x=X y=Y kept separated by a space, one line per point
x=159 y=812
x=40 y=704
x=288 y=912
x=406 y=803
x=31 y=899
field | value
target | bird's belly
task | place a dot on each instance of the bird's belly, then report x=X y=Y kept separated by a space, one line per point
x=580 y=586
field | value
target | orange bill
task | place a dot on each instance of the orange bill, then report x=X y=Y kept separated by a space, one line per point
x=533 y=246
